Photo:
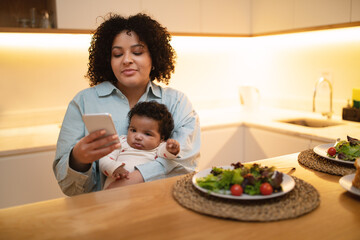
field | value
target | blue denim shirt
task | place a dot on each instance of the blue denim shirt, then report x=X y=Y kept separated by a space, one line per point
x=105 y=97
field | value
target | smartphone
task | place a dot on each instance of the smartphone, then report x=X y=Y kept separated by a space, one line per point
x=98 y=121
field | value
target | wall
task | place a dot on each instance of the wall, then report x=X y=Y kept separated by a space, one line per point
x=38 y=79
x=40 y=73
x=284 y=67
x=289 y=66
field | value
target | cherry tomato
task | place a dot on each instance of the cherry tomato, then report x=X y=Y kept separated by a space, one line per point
x=266 y=188
x=236 y=190
x=332 y=151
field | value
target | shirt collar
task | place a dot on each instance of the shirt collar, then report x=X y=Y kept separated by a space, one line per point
x=155 y=89
x=106 y=88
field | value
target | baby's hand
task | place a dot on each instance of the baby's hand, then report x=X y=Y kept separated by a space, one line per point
x=121 y=172
x=173 y=146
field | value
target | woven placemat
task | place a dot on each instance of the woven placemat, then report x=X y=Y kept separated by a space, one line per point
x=310 y=159
x=302 y=199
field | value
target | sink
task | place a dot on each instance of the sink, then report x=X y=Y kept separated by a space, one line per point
x=312 y=123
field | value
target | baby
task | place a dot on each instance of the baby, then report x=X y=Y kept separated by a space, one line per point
x=150 y=126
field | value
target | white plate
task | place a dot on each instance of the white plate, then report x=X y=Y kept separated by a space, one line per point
x=346 y=183
x=322 y=151
x=287 y=185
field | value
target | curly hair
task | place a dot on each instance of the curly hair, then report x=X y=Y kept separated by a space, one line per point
x=150 y=32
x=156 y=111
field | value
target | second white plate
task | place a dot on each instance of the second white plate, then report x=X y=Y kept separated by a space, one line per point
x=321 y=150
x=346 y=183
x=287 y=185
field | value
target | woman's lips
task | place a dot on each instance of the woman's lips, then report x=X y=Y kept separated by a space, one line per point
x=128 y=72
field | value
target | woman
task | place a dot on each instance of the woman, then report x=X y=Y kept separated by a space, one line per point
x=125 y=57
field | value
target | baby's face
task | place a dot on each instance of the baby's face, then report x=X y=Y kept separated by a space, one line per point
x=143 y=133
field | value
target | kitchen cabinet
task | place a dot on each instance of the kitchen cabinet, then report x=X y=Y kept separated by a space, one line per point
x=225 y=16
x=355 y=10
x=226 y=145
x=176 y=16
x=219 y=17
x=27 y=178
x=286 y=15
x=87 y=14
x=187 y=16
x=272 y=15
x=26 y=14
x=201 y=16
x=221 y=146
x=313 y=143
x=260 y=143
x=310 y=13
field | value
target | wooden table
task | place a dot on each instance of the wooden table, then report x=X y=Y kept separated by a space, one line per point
x=148 y=211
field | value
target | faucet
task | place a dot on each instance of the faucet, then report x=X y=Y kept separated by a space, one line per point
x=321 y=80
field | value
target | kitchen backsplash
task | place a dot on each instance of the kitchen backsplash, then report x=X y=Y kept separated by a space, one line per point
x=41 y=73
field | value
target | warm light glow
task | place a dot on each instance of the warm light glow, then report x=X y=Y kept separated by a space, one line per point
x=313 y=38
x=44 y=41
x=44 y=71
x=210 y=44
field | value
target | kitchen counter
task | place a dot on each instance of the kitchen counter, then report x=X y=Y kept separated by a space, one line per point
x=149 y=211
x=28 y=139
x=267 y=118
x=41 y=138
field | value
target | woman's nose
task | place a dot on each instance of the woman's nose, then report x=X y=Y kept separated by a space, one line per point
x=127 y=58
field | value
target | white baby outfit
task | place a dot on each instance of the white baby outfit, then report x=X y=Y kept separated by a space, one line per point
x=131 y=157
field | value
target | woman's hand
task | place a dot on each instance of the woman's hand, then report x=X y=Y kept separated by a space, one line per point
x=91 y=148
x=133 y=178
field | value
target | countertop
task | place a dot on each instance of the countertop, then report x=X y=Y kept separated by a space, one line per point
x=43 y=138
x=149 y=211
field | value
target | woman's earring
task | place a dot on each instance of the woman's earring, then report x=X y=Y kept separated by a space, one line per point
x=153 y=68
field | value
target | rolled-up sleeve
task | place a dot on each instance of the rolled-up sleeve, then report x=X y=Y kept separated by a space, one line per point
x=70 y=181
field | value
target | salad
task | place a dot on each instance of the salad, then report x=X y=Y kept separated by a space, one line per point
x=251 y=179
x=347 y=150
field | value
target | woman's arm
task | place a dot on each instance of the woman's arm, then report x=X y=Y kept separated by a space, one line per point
x=74 y=166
